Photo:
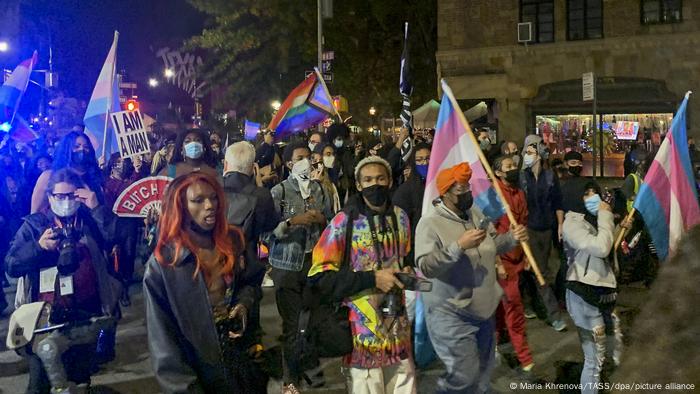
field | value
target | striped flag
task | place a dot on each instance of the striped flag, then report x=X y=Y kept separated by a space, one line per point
x=406 y=88
x=306 y=106
x=13 y=89
x=454 y=143
x=104 y=99
x=22 y=131
x=667 y=200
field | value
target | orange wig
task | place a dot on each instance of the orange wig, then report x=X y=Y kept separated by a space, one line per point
x=174 y=219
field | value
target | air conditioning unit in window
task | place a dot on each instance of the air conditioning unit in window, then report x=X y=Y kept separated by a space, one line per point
x=525 y=32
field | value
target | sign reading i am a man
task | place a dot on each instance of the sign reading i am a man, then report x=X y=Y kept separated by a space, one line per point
x=131 y=133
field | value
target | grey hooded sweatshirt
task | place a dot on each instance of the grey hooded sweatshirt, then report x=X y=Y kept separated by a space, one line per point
x=464 y=281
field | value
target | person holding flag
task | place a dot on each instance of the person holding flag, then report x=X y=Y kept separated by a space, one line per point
x=456 y=246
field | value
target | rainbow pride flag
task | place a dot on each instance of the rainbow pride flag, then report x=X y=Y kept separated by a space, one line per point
x=454 y=144
x=667 y=200
x=306 y=106
x=13 y=89
x=104 y=100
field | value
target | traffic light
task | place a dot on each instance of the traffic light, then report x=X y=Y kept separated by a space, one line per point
x=131 y=105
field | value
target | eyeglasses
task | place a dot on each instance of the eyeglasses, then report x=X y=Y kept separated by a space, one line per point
x=63 y=196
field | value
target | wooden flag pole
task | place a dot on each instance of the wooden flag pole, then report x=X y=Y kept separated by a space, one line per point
x=623 y=230
x=499 y=192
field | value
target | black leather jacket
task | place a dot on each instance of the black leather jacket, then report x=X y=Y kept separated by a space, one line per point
x=182 y=336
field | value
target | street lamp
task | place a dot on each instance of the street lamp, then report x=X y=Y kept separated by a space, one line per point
x=152 y=82
x=169 y=73
x=276 y=105
x=4 y=46
x=372 y=111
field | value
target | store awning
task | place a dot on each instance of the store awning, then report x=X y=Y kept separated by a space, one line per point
x=616 y=95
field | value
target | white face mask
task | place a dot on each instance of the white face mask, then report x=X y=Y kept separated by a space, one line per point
x=312 y=146
x=328 y=161
x=64 y=208
x=301 y=171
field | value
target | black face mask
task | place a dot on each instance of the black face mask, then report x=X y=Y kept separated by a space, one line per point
x=464 y=202
x=79 y=157
x=576 y=170
x=199 y=230
x=376 y=195
x=512 y=177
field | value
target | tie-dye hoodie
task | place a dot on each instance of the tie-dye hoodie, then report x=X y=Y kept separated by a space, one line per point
x=378 y=341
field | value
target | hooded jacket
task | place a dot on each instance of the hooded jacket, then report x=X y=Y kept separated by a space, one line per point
x=587 y=249
x=182 y=336
x=464 y=281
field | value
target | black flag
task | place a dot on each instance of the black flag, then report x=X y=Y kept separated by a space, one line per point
x=406 y=88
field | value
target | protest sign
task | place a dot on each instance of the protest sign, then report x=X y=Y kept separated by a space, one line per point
x=140 y=197
x=131 y=133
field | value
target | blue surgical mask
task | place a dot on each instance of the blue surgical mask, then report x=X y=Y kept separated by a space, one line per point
x=592 y=204
x=422 y=170
x=194 y=150
x=528 y=161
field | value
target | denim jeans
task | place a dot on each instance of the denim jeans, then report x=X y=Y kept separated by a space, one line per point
x=466 y=347
x=600 y=336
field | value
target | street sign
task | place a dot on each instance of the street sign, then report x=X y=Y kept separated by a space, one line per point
x=328 y=77
x=588 y=86
x=328 y=55
x=128 y=85
x=326 y=66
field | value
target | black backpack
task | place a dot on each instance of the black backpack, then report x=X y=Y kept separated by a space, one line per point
x=241 y=210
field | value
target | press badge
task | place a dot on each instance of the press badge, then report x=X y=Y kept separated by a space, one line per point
x=66 y=285
x=47 y=281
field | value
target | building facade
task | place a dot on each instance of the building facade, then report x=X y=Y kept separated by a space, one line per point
x=645 y=55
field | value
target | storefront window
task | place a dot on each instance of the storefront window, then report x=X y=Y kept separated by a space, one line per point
x=563 y=133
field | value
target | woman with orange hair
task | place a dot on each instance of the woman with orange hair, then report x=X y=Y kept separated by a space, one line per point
x=199 y=292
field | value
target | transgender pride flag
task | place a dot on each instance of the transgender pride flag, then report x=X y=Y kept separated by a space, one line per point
x=667 y=199
x=104 y=100
x=12 y=90
x=455 y=143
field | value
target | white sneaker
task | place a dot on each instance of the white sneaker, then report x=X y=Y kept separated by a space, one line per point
x=267 y=281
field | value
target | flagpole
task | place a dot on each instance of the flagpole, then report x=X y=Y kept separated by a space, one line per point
x=325 y=88
x=489 y=171
x=29 y=77
x=109 y=99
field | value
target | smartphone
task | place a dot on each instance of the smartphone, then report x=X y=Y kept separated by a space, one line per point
x=414 y=283
x=483 y=224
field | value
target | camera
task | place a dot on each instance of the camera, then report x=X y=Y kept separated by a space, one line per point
x=392 y=306
x=68 y=258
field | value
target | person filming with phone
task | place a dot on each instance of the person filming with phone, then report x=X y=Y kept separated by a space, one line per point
x=456 y=247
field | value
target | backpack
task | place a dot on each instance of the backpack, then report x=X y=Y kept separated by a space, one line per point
x=241 y=210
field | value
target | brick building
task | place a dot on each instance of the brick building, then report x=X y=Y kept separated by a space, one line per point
x=645 y=55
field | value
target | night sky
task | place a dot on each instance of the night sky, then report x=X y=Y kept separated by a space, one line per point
x=82 y=32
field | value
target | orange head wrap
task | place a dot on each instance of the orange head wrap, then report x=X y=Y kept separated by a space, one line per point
x=446 y=178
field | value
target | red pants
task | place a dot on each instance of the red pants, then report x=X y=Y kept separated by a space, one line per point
x=511 y=314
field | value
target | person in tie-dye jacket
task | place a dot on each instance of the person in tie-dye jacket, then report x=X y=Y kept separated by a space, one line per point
x=381 y=360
